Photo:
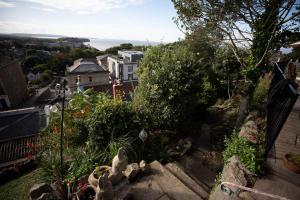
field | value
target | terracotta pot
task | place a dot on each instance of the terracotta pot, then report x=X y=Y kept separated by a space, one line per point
x=292 y=166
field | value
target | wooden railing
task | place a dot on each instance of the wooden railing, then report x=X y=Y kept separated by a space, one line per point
x=19 y=147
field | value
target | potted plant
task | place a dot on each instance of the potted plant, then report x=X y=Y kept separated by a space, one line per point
x=292 y=162
x=99 y=171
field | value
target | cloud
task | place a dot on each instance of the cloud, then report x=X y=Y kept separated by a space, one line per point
x=43 y=9
x=86 y=6
x=4 y=4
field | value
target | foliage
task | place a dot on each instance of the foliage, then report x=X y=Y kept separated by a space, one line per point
x=112 y=119
x=125 y=141
x=51 y=166
x=261 y=90
x=83 y=162
x=30 y=61
x=266 y=25
x=250 y=154
x=155 y=147
x=19 y=188
x=227 y=72
x=172 y=85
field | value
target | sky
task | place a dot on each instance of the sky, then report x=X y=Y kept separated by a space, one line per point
x=109 y=19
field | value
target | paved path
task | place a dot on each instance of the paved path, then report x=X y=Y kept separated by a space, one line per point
x=279 y=180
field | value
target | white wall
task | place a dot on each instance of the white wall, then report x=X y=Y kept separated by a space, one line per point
x=134 y=66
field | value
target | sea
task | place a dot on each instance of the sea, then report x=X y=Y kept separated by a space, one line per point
x=103 y=44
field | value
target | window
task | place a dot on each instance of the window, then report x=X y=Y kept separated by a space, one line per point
x=130 y=68
x=90 y=78
x=130 y=76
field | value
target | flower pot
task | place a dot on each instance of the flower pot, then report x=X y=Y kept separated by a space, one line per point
x=291 y=164
x=93 y=177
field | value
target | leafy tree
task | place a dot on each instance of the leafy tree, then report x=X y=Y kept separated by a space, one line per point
x=258 y=26
x=30 y=61
x=172 y=85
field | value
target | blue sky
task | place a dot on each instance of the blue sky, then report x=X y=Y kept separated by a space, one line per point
x=115 y=19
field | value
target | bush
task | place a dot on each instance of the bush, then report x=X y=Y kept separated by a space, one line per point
x=250 y=154
x=261 y=91
x=172 y=86
x=112 y=119
x=113 y=146
x=51 y=166
x=83 y=162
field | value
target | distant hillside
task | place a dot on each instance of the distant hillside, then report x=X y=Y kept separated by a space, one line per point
x=36 y=35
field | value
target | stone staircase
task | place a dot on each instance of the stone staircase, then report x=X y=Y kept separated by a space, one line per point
x=169 y=182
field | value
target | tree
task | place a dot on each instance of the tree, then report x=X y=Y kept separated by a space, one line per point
x=172 y=85
x=258 y=26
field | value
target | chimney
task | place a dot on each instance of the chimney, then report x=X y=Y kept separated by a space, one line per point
x=118 y=91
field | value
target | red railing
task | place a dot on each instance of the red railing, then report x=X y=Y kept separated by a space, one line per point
x=19 y=147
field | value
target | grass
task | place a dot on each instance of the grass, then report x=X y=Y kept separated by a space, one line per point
x=18 y=189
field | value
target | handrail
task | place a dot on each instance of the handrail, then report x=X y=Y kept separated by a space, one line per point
x=229 y=191
x=284 y=77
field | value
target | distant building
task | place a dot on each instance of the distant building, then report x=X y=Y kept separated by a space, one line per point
x=13 y=86
x=88 y=73
x=124 y=66
x=102 y=60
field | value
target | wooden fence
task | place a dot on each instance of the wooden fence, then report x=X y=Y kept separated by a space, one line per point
x=20 y=147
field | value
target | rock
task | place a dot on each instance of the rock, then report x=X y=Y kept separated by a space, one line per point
x=123 y=193
x=142 y=164
x=132 y=170
x=182 y=146
x=249 y=131
x=38 y=189
x=233 y=172
x=47 y=196
x=119 y=164
x=100 y=170
x=244 y=195
x=58 y=190
x=104 y=190
x=144 y=167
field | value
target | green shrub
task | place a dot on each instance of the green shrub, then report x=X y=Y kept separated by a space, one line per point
x=112 y=119
x=113 y=146
x=261 y=91
x=51 y=166
x=172 y=85
x=83 y=161
x=250 y=154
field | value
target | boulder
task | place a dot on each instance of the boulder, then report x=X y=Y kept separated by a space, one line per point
x=249 y=131
x=132 y=170
x=233 y=172
x=47 y=196
x=38 y=189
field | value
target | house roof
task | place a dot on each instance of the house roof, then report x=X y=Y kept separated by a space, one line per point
x=102 y=57
x=20 y=122
x=85 y=65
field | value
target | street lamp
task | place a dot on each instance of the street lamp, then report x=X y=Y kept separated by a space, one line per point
x=62 y=127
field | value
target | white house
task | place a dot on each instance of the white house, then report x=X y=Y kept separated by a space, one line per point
x=124 y=66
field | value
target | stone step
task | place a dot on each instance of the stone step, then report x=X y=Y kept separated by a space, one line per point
x=170 y=184
x=177 y=170
x=195 y=169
